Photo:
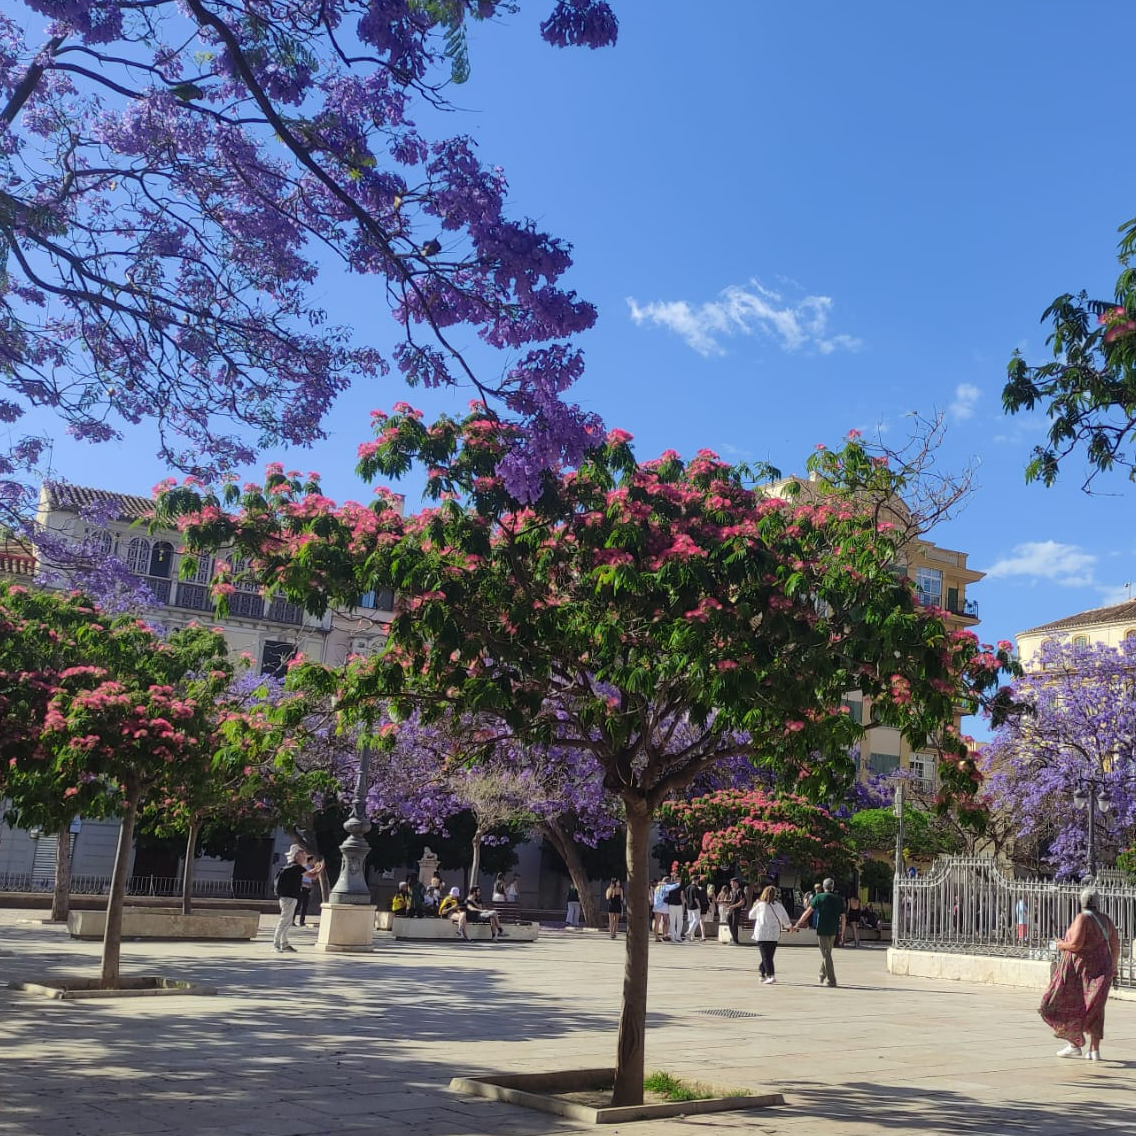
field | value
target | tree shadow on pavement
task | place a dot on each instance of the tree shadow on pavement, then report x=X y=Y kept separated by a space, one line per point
x=1105 y=1107
x=296 y=1045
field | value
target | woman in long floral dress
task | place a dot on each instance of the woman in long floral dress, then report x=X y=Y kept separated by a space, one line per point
x=1074 y=1003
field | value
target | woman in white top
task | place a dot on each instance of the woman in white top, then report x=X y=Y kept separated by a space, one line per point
x=769 y=920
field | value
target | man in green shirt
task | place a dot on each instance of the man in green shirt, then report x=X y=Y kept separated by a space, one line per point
x=830 y=923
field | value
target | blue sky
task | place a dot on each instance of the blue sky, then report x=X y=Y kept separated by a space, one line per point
x=801 y=219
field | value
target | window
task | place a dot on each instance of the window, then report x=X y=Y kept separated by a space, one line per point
x=881 y=763
x=855 y=710
x=1130 y=633
x=246 y=600
x=381 y=600
x=161 y=559
x=929 y=585
x=100 y=541
x=1080 y=640
x=138 y=556
x=203 y=573
x=274 y=658
x=924 y=768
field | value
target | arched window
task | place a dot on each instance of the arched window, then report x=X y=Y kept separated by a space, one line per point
x=246 y=600
x=100 y=541
x=1080 y=640
x=1130 y=633
x=203 y=573
x=161 y=559
x=138 y=556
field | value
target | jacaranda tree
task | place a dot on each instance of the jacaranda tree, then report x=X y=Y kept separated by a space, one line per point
x=177 y=174
x=1079 y=733
x=129 y=725
x=430 y=774
x=661 y=617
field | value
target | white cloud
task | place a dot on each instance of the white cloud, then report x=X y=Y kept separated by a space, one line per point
x=1114 y=594
x=751 y=310
x=1063 y=564
x=966 y=395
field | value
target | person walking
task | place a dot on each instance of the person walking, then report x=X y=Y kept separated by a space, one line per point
x=614 y=897
x=697 y=904
x=289 y=888
x=1073 y=1005
x=735 y=902
x=828 y=909
x=769 y=919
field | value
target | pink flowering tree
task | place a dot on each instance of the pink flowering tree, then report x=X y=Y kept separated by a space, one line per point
x=129 y=726
x=250 y=786
x=662 y=617
x=183 y=175
x=758 y=832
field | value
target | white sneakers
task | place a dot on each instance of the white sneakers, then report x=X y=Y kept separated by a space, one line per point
x=1072 y=1050
x=1093 y=1055
x=769 y=981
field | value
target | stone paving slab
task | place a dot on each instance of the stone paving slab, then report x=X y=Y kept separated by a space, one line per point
x=361 y=1045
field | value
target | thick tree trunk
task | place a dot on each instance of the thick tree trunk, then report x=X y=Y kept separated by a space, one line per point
x=631 y=1046
x=190 y=861
x=568 y=851
x=116 y=901
x=61 y=896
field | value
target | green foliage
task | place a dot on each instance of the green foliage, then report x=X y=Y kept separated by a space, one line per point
x=1126 y=862
x=1088 y=390
x=877 y=876
x=874 y=830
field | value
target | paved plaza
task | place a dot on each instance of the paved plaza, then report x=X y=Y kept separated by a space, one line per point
x=334 y=1045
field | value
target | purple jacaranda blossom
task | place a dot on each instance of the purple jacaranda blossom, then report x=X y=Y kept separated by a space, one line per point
x=1079 y=734
x=178 y=177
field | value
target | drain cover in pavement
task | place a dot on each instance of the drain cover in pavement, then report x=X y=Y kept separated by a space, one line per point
x=730 y=1013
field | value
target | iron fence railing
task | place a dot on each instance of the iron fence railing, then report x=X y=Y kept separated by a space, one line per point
x=965 y=905
x=137 y=885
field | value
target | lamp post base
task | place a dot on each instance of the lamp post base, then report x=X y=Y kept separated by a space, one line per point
x=346 y=928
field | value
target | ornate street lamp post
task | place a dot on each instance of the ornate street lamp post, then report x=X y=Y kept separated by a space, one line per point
x=1091 y=795
x=351 y=886
x=347 y=922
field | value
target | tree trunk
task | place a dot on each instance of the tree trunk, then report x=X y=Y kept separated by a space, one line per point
x=567 y=850
x=190 y=861
x=631 y=1046
x=116 y=901
x=475 y=863
x=61 y=896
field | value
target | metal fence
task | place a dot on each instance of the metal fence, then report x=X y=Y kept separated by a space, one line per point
x=137 y=885
x=964 y=904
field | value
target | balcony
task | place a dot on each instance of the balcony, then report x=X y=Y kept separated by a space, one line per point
x=244 y=605
x=967 y=609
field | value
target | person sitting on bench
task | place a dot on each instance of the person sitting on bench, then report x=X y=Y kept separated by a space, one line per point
x=473 y=912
